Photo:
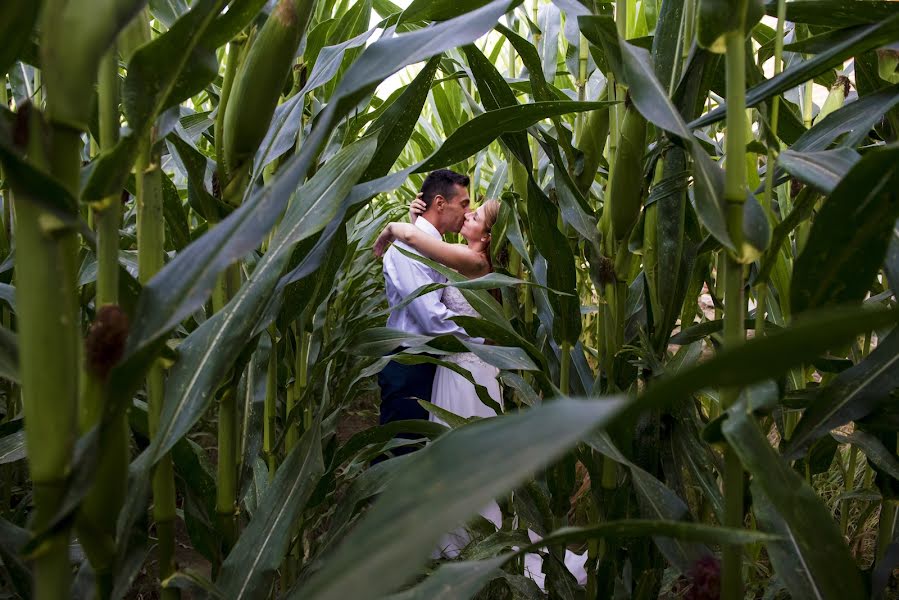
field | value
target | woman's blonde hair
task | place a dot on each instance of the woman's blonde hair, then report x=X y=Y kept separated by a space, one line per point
x=491 y=212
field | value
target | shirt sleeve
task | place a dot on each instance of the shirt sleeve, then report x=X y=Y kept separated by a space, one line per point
x=428 y=310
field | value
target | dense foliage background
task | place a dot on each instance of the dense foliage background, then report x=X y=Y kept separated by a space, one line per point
x=697 y=252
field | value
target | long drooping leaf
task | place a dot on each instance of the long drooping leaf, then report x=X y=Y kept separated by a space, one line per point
x=17 y=19
x=483 y=129
x=477 y=462
x=698 y=533
x=251 y=565
x=462 y=579
x=82 y=38
x=210 y=351
x=850 y=235
x=855 y=41
x=853 y=394
x=767 y=357
x=455 y=580
x=396 y=124
x=496 y=93
x=9 y=355
x=229 y=24
x=813 y=561
x=657 y=502
x=835 y=13
x=822 y=170
x=12 y=447
x=855 y=119
x=874 y=449
x=440 y=10
x=12 y=540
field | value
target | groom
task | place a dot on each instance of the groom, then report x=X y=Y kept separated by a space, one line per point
x=445 y=194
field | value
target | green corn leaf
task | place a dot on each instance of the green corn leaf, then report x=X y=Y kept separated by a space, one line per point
x=856 y=118
x=657 y=502
x=251 y=566
x=395 y=125
x=853 y=394
x=9 y=355
x=483 y=129
x=768 y=357
x=812 y=560
x=210 y=351
x=77 y=37
x=822 y=170
x=855 y=41
x=835 y=13
x=12 y=447
x=873 y=449
x=12 y=540
x=17 y=19
x=478 y=462
x=455 y=580
x=850 y=235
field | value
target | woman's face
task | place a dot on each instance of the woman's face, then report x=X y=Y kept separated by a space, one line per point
x=474 y=227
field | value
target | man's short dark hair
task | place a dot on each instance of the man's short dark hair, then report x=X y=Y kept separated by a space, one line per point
x=442 y=182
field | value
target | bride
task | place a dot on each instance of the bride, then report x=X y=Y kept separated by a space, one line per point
x=451 y=391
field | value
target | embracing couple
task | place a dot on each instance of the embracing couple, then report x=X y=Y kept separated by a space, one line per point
x=443 y=206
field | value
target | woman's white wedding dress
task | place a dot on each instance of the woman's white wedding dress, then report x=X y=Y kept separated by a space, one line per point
x=450 y=390
x=454 y=393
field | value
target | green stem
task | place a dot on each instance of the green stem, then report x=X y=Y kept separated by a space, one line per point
x=734 y=302
x=848 y=485
x=150 y=255
x=107 y=213
x=732 y=584
x=583 y=55
x=226 y=491
x=773 y=143
x=96 y=530
x=270 y=408
x=886 y=530
x=228 y=442
x=565 y=369
x=808 y=104
x=305 y=341
x=49 y=341
x=689 y=20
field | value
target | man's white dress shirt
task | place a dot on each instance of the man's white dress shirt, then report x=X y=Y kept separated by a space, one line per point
x=426 y=315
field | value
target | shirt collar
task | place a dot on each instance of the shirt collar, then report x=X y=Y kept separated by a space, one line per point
x=427 y=227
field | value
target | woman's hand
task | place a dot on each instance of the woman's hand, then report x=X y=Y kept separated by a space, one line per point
x=384 y=240
x=417 y=208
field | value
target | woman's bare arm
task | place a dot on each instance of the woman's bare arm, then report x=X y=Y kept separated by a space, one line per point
x=455 y=256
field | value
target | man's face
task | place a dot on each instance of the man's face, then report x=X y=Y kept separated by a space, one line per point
x=455 y=209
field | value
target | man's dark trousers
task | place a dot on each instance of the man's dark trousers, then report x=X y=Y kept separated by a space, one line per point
x=401 y=387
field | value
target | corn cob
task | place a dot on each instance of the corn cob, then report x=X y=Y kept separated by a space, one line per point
x=835 y=97
x=260 y=79
x=626 y=185
x=591 y=143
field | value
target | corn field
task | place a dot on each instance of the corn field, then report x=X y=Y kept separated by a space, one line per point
x=696 y=259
